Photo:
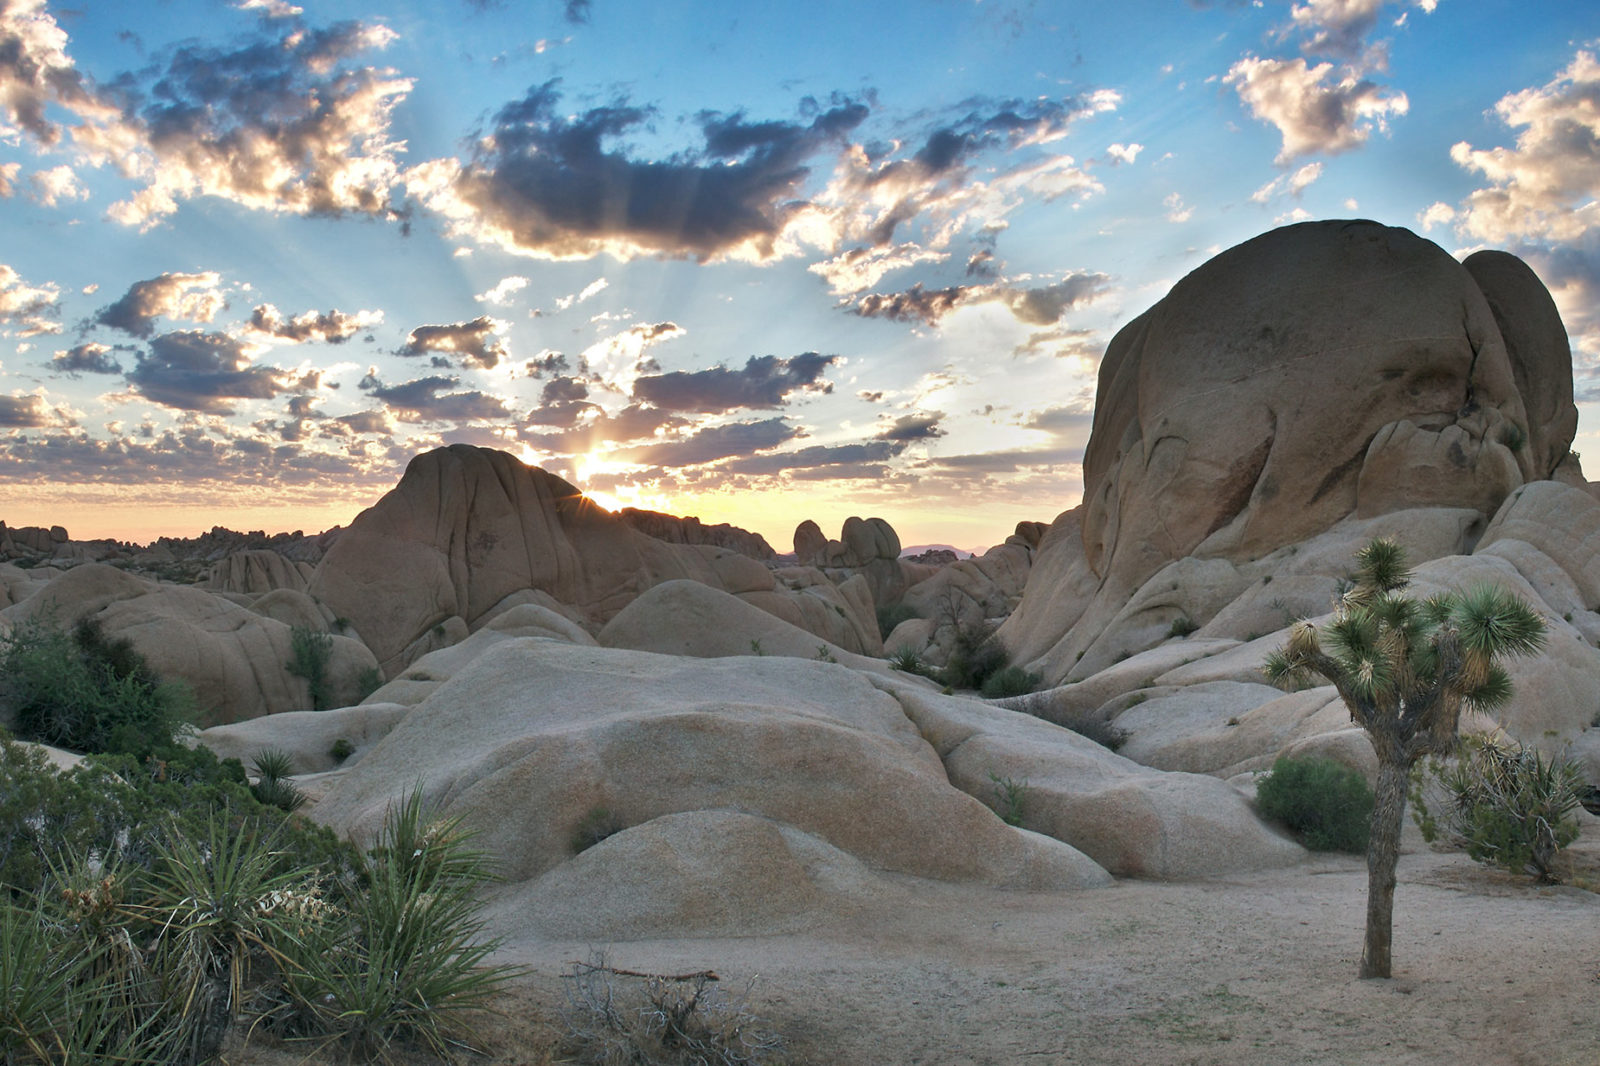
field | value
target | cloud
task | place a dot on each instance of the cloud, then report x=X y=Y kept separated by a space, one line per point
x=1124 y=153
x=913 y=305
x=474 y=342
x=916 y=426
x=555 y=185
x=632 y=423
x=35 y=71
x=56 y=185
x=27 y=304
x=765 y=382
x=577 y=11
x=190 y=297
x=1548 y=186
x=426 y=400
x=8 y=177
x=710 y=445
x=595 y=286
x=1039 y=306
x=1336 y=28
x=279 y=124
x=1294 y=184
x=87 y=358
x=331 y=327
x=26 y=412
x=272 y=9
x=195 y=371
x=861 y=268
x=868 y=456
x=1008 y=462
x=503 y=291
x=1315 y=109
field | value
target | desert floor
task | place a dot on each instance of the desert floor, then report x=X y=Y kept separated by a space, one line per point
x=1260 y=968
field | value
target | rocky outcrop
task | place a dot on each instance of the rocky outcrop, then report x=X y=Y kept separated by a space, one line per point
x=258 y=571
x=690 y=530
x=534 y=737
x=233 y=659
x=466 y=527
x=1321 y=383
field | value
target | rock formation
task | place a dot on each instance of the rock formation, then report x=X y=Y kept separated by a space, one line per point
x=690 y=530
x=467 y=527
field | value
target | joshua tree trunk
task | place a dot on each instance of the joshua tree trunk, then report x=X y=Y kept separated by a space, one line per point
x=1383 y=853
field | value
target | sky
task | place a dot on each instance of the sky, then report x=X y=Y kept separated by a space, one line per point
x=756 y=262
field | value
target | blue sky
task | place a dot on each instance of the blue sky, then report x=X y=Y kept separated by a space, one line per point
x=758 y=263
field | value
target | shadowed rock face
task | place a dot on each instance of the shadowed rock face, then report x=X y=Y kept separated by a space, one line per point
x=1313 y=372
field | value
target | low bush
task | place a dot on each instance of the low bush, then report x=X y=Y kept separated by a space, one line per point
x=1010 y=681
x=1012 y=796
x=85 y=691
x=1183 y=625
x=1507 y=805
x=621 y=1016
x=890 y=617
x=309 y=653
x=975 y=658
x=1325 y=804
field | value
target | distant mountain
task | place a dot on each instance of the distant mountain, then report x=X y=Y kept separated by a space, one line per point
x=920 y=549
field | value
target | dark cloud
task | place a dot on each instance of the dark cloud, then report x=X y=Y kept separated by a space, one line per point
x=821 y=458
x=632 y=423
x=914 y=305
x=577 y=11
x=35 y=72
x=710 y=445
x=192 y=297
x=1060 y=420
x=558 y=184
x=281 y=123
x=765 y=382
x=332 y=327
x=193 y=458
x=564 y=389
x=365 y=421
x=547 y=362
x=25 y=412
x=195 y=371
x=87 y=358
x=913 y=427
x=475 y=342
x=1008 y=462
x=426 y=400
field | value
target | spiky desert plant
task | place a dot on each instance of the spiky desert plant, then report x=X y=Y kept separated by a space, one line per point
x=411 y=959
x=211 y=901
x=1405 y=669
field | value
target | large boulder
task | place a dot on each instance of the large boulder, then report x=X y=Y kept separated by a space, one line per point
x=466 y=527
x=1320 y=383
x=533 y=738
x=257 y=571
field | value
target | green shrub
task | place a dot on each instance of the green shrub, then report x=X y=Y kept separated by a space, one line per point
x=890 y=617
x=1010 y=681
x=408 y=963
x=598 y=824
x=1324 y=803
x=368 y=681
x=86 y=692
x=342 y=749
x=1509 y=805
x=975 y=657
x=309 y=652
x=1183 y=625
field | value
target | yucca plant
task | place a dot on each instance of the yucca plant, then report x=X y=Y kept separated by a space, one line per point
x=1405 y=669
x=1509 y=805
x=35 y=976
x=273 y=768
x=411 y=960
x=211 y=902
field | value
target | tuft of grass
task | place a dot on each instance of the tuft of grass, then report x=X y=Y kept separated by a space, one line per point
x=1012 y=794
x=1182 y=626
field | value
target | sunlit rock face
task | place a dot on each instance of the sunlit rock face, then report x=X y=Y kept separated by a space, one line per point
x=1316 y=386
x=1313 y=372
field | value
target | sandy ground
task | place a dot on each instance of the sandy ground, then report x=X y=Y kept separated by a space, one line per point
x=1489 y=969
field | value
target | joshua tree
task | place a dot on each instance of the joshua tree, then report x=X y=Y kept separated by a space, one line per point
x=1405 y=669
